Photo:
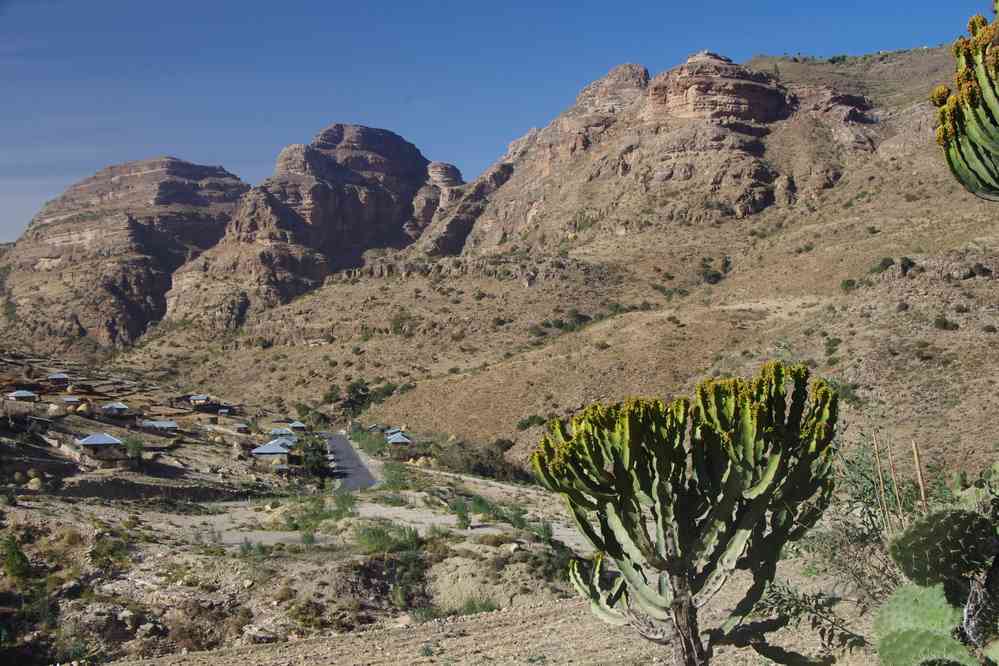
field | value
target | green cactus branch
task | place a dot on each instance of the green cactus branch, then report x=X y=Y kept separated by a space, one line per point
x=677 y=496
x=968 y=116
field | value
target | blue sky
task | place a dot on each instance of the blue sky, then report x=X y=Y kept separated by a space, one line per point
x=84 y=84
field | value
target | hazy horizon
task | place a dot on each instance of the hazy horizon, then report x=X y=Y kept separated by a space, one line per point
x=231 y=83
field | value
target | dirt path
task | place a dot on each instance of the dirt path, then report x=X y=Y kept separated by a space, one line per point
x=550 y=634
x=558 y=633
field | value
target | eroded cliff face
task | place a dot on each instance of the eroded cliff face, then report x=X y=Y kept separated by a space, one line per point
x=351 y=190
x=705 y=141
x=94 y=265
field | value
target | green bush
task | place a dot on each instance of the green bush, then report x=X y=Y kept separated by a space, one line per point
x=486 y=460
x=388 y=538
x=459 y=507
x=15 y=562
x=941 y=322
x=530 y=422
x=396 y=476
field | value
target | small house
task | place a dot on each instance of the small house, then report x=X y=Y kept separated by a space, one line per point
x=392 y=431
x=105 y=449
x=224 y=411
x=274 y=450
x=23 y=396
x=297 y=426
x=199 y=400
x=59 y=378
x=71 y=400
x=281 y=432
x=398 y=438
x=115 y=409
x=99 y=440
x=163 y=427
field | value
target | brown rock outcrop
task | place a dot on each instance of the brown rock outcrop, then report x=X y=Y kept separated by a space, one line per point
x=711 y=86
x=96 y=262
x=352 y=189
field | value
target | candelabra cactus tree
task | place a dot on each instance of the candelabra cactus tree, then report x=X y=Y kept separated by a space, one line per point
x=677 y=496
x=968 y=116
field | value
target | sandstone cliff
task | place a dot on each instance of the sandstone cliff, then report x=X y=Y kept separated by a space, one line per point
x=94 y=265
x=701 y=142
x=351 y=190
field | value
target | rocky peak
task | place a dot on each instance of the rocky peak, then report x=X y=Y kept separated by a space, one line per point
x=352 y=189
x=141 y=184
x=97 y=260
x=619 y=88
x=712 y=86
x=376 y=154
x=443 y=174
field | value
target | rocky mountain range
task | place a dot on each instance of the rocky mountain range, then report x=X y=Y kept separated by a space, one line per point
x=168 y=239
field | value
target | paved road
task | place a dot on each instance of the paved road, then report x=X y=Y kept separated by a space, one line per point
x=350 y=469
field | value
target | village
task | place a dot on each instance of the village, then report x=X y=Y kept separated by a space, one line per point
x=157 y=521
x=105 y=423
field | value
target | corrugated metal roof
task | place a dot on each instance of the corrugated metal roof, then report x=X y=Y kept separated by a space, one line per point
x=58 y=375
x=281 y=431
x=161 y=425
x=71 y=398
x=398 y=438
x=115 y=406
x=277 y=446
x=199 y=397
x=297 y=424
x=21 y=393
x=99 y=439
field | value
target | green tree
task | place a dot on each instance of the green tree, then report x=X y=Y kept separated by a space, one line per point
x=15 y=562
x=313 y=451
x=133 y=447
x=681 y=495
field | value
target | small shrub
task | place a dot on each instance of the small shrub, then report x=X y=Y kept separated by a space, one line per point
x=396 y=476
x=530 y=422
x=848 y=285
x=374 y=539
x=941 y=322
x=459 y=507
x=883 y=265
x=15 y=562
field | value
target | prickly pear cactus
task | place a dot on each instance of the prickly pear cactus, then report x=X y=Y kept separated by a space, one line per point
x=915 y=627
x=677 y=496
x=968 y=116
x=946 y=546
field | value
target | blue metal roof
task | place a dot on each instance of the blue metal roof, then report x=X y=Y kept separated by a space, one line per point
x=199 y=397
x=281 y=431
x=99 y=439
x=115 y=405
x=21 y=393
x=275 y=447
x=392 y=431
x=161 y=425
x=58 y=375
x=398 y=438
x=71 y=398
x=297 y=424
